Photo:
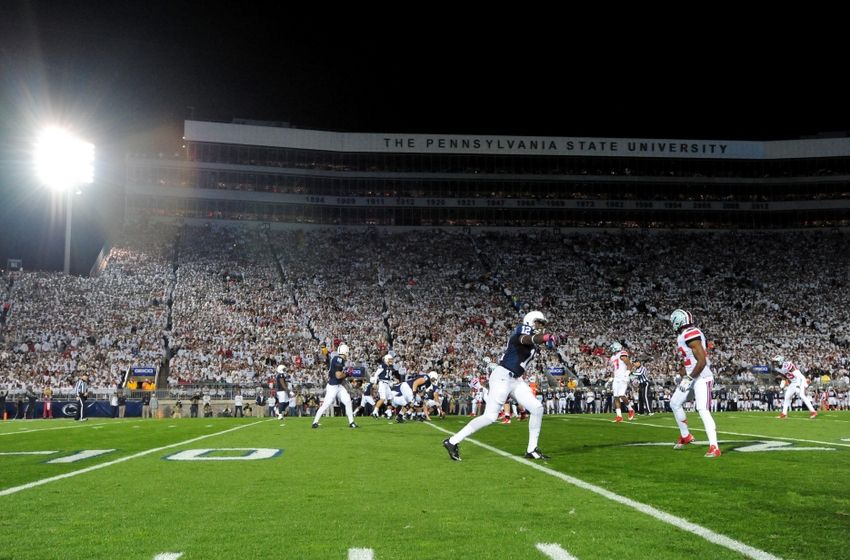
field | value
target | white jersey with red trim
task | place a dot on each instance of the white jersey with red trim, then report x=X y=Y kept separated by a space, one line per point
x=618 y=365
x=792 y=373
x=687 y=354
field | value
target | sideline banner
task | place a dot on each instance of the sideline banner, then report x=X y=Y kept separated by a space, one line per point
x=68 y=409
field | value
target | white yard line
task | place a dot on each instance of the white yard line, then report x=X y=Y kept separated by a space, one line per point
x=168 y=556
x=693 y=429
x=43 y=481
x=360 y=554
x=554 y=551
x=678 y=522
x=28 y=452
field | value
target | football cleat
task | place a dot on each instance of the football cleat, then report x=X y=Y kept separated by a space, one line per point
x=506 y=420
x=536 y=454
x=454 y=451
x=713 y=451
x=814 y=414
x=783 y=415
x=631 y=415
x=683 y=441
x=315 y=425
x=353 y=425
x=399 y=419
x=617 y=419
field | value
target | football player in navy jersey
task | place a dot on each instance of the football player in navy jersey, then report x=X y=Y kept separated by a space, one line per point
x=367 y=401
x=433 y=398
x=335 y=387
x=383 y=378
x=506 y=380
x=282 y=391
x=404 y=392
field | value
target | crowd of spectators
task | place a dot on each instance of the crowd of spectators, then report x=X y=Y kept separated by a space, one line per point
x=222 y=307
x=59 y=326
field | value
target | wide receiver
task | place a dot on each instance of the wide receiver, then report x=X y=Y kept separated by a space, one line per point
x=697 y=377
x=796 y=382
x=621 y=366
x=507 y=380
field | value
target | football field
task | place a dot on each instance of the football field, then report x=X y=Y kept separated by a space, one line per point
x=260 y=488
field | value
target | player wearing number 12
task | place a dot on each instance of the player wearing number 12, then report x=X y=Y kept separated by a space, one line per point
x=506 y=379
x=697 y=377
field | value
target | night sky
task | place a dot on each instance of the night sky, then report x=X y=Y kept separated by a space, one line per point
x=126 y=75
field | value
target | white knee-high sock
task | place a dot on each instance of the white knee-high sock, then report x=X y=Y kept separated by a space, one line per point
x=534 y=424
x=710 y=426
x=808 y=402
x=681 y=420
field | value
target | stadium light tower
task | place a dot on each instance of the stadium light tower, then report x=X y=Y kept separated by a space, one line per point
x=62 y=162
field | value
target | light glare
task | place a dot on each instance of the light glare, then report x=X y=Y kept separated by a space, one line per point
x=62 y=160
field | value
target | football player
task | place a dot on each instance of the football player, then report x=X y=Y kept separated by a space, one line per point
x=697 y=377
x=367 y=401
x=281 y=384
x=507 y=379
x=383 y=377
x=335 y=387
x=621 y=366
x=796 y=385
x=433 y=398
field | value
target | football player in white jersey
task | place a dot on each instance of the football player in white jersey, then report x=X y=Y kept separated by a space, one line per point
x=697 y=377
x=796 y=385
x=621 y=367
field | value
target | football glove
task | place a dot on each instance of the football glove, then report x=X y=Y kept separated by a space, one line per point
x=685 y=384
x=551 y=340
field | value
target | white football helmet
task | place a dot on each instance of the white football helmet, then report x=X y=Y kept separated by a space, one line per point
x=281 y=369
x=433 y=376
x=342 y=349
x=779 y=359
x=388 y=359
x=680 y=318
x=615 y=347
x=533 y=317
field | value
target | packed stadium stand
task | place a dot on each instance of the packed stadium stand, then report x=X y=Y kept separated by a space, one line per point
x=261 y=246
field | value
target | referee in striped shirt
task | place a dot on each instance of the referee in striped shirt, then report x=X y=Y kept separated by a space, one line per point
x=640 y=373
x=81 y=389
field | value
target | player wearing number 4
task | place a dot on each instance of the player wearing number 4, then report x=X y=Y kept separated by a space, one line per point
x=506 y=379
x=796 y=384
x=697 y=377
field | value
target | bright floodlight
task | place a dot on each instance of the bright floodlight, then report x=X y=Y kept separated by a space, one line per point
x=62 y=161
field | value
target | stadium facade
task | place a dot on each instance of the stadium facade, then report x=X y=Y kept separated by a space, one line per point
x=276 y=175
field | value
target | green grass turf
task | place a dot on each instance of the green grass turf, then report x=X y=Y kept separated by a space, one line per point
x=392 y=488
